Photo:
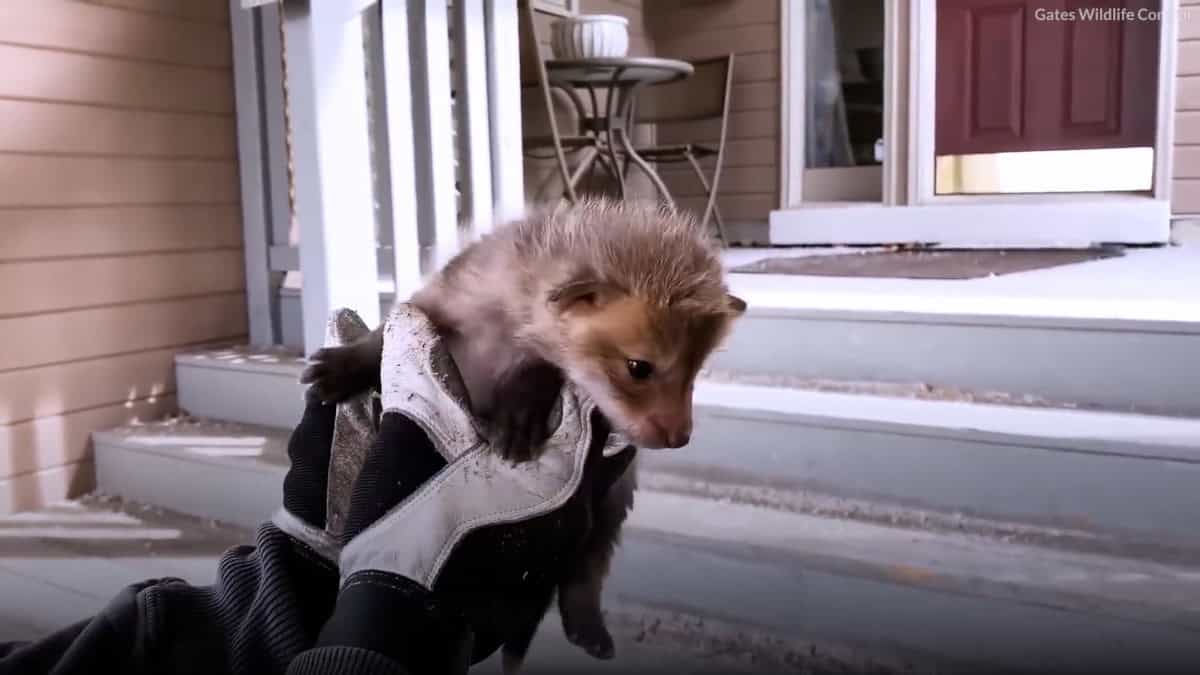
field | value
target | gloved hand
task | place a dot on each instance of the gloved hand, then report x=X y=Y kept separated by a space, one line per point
x=446 y=546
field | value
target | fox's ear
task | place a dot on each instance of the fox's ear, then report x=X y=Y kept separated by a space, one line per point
x=737 y=306
x=581 y=294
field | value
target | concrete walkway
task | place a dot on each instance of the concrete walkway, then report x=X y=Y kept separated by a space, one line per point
x=65 y=562
x=747 y=590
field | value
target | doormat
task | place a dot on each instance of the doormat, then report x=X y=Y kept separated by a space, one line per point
x=940 y=264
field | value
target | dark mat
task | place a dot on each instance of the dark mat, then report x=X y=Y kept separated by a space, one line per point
x=941 y=264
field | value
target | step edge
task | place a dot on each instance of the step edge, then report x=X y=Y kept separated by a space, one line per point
x=669 y=480
x=959 y=578
x=112 y=439
x=201 y=361
x=826 y=307
x=191 y=360
x=901 y=415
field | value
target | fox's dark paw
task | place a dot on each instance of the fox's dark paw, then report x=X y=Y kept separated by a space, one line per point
x=338 y=373
x=520 y=420
x=590 y=634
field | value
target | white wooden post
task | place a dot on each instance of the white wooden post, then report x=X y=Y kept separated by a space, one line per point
x=275 y=119
x=432 y=125
x=327 y=91
x=256 y=217
x=474 y=132
x=396 y=106
x=504 y=107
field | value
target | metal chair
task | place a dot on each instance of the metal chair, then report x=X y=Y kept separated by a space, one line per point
x=544 y=105
x=703 y=96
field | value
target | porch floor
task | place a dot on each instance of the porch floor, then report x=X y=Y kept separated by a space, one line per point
x=1146 y=284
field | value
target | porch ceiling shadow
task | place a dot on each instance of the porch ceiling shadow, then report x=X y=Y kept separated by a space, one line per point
x=940 y=264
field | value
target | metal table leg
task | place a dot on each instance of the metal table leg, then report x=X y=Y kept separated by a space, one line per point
x=623 y=130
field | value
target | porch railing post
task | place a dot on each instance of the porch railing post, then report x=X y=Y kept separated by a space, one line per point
x=396 y=111
x=327 y=94
x=432 y=126
x=253 y=160
x=504 y=107
x=474 y=130
x=275 y=121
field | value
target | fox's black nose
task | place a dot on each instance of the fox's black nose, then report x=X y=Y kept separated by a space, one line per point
x=671 y=435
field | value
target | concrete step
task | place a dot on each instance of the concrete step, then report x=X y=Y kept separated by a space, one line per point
x=1130 y=476
x=913 y=597
x=1067 y=346
x=239 y=384
x=1125 y=475
x=206 y=468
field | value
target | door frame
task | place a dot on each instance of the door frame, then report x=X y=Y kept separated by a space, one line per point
x=923 y=102
x=793 y=68
x=1033 y=220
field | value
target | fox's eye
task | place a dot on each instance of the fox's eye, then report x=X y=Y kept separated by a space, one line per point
x=639 y=370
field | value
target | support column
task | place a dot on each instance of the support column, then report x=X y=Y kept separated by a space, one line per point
x=432 y=124
x=504 y=106
x=474 y=129
x=327 y=91
x=253 y=161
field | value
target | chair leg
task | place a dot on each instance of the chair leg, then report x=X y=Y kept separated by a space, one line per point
x=565 y=173
x=710 y=208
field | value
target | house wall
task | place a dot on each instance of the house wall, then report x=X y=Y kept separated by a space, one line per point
x=1186 y=172
x=692 y=29
x=120 y=233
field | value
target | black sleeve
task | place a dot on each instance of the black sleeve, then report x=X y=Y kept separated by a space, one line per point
x=267 y=606
x=272 y=608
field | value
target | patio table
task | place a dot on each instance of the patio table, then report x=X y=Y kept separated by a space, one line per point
x=622 y=78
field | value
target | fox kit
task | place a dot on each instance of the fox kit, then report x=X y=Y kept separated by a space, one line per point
x=626 y=301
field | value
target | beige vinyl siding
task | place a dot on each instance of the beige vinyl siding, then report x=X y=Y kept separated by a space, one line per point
x=1185 y=193
x=119 y=222
x=196 y=11
x=64 y=77
x=43 y=127
x=749 y=187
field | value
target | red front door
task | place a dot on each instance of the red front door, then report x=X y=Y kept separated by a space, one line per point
x=1025 y=75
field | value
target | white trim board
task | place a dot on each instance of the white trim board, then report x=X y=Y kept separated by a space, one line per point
x=1065 y=223
x=793 y=68
x=792 y=64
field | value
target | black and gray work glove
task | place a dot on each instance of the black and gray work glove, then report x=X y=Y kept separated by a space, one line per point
x=430 y=494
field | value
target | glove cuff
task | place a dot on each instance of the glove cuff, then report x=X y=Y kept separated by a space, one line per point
x=315 y=538
x=394 y=617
